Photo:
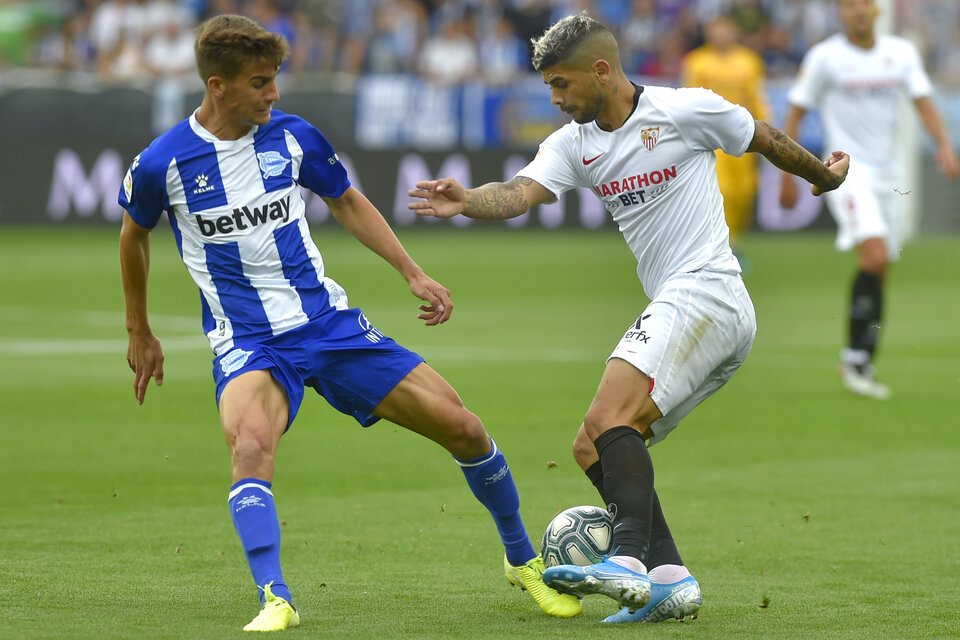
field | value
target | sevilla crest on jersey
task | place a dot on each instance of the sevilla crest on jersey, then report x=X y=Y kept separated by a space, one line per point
x=649 y=137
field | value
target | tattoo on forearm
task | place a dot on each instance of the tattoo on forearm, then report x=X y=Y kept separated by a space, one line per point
x=497 y=200
x=787 y=154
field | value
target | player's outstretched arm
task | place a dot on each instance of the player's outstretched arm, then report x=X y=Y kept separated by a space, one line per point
x=364 y=221
x=144 y=353
x=787 y=154
x=446 y=198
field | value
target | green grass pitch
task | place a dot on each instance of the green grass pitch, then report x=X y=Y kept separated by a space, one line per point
x=803 y=511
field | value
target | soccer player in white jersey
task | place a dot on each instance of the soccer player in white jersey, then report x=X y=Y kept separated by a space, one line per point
x=857 y=80
x=228 y=178
x=648 y=154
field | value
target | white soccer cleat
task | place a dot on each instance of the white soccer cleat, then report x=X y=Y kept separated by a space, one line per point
x=860 y=380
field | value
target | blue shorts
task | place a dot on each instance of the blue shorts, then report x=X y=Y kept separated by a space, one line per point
x=341 y=355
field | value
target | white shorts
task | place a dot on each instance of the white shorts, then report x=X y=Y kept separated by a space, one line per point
x=689 y=341
x=867 y=206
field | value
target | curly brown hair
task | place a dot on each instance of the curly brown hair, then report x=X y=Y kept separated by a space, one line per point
x=226 y=43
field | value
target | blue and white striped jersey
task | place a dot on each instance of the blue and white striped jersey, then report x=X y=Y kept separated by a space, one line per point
x=238 y=217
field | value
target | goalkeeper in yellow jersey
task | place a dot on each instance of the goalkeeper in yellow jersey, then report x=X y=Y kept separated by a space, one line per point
x=736 y=73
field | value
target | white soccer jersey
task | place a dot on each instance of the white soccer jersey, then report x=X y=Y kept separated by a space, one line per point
x=858 y=92
x=657 y=177
x=238 y=217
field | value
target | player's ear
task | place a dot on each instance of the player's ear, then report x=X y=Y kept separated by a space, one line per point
x=601 y=70
x=216 y=86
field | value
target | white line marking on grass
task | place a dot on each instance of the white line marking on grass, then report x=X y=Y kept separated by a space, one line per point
x=89 y=318
x=462 y=354
x=41 y=347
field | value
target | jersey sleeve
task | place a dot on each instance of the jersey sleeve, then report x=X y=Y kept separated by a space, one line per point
x=807 y=91
x=918 y=82
x=143 y=192
x=320 y=168
x=552 y=166
x=708 y=122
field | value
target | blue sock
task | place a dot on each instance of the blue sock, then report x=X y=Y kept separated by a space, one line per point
x=255 y=518
x=489 y=478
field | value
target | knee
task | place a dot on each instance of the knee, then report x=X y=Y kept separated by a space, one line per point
x=250 y=447
x=875 y=265
x=874 y=259
x=466 y=438
x=583 y=450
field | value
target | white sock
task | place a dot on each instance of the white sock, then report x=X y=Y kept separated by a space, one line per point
x=668 y=573
x=629 y=562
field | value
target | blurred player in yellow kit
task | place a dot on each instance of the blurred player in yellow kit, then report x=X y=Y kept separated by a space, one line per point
x=735 y=73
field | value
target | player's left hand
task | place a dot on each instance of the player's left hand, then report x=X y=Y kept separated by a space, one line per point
x=838 y=163
x=438 y=307
x=947 y=162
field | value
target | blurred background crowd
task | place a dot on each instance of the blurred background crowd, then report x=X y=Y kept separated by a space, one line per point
x=444 y=41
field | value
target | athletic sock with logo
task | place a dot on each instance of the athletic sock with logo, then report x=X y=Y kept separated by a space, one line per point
x=255 y=518
x=663 y=549
x=489 y=477
x=628 y=486
x=866 y=310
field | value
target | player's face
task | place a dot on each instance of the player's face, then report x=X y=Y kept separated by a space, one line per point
x=575 y=92
x=858 y=16
x=250 y=96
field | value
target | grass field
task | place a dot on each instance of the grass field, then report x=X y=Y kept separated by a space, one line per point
x=804 y=512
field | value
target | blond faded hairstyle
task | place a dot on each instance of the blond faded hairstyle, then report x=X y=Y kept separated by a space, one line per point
x=565 y=38
x=228 y=42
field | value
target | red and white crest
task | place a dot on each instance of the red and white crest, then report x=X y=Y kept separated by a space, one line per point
x=649 y=137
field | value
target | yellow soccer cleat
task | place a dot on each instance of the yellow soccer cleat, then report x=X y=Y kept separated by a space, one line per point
x=529 y=578
x=276 y=615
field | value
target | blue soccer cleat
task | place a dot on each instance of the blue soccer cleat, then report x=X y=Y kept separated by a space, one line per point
x=677 y=600
x=630 y=589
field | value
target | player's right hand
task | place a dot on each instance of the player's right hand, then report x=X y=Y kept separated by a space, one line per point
x=441 y=198
x=145 y=357
x=838 y=163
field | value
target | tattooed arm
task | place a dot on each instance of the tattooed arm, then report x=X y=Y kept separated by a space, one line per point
x=787 y=154
x=446 y=197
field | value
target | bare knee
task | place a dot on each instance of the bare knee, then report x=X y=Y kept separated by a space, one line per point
x=583 y=450
x=252 y=451
x=873 y=256
x=465 y=436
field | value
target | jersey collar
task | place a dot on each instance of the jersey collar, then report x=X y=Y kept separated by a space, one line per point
x=205 y=135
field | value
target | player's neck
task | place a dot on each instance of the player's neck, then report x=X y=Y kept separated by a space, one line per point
x=217 y=122
x=618 y=106
x=864 y=41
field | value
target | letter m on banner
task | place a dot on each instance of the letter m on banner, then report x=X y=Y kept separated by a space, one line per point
x=72 y=189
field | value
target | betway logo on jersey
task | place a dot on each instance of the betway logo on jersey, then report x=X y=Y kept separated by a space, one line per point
x=245 y=217
x=633 y=189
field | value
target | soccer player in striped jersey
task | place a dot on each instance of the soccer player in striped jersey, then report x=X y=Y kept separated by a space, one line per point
x=857 y=80
x=229 y=178
x=648 y=154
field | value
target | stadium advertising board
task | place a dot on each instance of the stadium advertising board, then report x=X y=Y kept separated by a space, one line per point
x=70 y=151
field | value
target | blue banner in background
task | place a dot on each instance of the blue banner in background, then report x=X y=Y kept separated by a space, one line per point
x=398 y=111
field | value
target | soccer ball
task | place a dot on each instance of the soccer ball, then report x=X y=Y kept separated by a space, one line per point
x=579 y=535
